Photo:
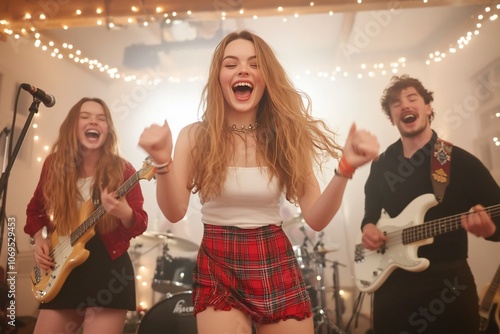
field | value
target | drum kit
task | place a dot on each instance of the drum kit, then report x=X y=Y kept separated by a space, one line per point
x=173 y=282
x=311 y=256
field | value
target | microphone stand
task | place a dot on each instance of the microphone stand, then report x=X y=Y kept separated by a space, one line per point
x=5 y=174
x=5 y=131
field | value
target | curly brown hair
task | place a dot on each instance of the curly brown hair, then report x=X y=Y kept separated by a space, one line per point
x=397 y=84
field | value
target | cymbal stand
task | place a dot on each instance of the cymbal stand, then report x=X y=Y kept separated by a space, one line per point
x=339 y=303
x=321 y=316
x=322 y=322
x=165 y=252
x=133 y=318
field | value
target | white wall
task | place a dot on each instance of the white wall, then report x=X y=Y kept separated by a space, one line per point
x=20 y=62
x=340 y=102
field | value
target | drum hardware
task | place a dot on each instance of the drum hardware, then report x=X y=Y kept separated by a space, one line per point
x=134 y=317
x=295 y=220
x=321 y=318
x=306 y=238
x=313 y=266
x=323 y=323
x=320 y=249
x=171 y=240
x=172 y=274
x=339 y=302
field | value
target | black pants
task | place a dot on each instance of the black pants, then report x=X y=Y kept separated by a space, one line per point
x=441 y=299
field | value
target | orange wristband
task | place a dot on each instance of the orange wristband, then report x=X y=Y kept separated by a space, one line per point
x=345 y=169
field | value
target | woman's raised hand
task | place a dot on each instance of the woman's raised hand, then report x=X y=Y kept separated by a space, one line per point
x=361 y=147
x=156 y=140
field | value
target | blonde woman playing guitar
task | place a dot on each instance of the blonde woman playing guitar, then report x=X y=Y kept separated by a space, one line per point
x=83 y=177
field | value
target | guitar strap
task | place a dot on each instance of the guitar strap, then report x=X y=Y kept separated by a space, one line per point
x=440 y=167
x=96 y=197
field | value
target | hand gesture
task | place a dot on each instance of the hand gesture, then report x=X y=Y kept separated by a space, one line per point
x=478 y=222
x=156 y=140
x=42 y=253
x=372 y=238
x=360 y=147
x=117 y=207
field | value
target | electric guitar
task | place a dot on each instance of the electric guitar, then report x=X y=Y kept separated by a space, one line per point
x=405 y=234
x=69 y=251
x=489 y=313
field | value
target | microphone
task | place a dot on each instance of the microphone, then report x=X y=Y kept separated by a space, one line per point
x=47 y=99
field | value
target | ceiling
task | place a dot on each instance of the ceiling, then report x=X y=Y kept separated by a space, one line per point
x=87 y=13
x=132 y=35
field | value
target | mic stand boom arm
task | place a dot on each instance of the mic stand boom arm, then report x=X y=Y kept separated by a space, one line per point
x=5 y=175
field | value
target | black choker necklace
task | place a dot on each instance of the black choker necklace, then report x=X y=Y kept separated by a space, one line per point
x=244 y=129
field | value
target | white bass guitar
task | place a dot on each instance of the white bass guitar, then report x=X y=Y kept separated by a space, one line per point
x=405 y=234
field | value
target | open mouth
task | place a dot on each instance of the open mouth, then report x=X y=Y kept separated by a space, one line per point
x=410 y=118
x=242 y=89
x=92 y=134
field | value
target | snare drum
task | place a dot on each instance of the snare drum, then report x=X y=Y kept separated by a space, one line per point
x=173 y=274
x=173 y=314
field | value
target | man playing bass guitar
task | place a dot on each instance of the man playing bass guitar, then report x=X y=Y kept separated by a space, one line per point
x=420 y=173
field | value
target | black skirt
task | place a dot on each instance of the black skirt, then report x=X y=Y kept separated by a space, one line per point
x=98 y=282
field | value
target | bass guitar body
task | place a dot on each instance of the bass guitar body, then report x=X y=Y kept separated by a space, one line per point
x=66 y=256
x=69 y=251
x=405 y=234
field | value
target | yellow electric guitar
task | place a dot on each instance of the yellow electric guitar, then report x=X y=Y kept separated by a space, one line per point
x=489 y=312
x=69 y=251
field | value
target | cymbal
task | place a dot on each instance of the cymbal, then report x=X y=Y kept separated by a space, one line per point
x=170 y=240
x=324 y=250
x=295 y=220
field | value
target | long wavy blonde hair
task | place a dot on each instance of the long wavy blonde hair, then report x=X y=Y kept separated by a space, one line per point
x=289 y=139
x=64 y=163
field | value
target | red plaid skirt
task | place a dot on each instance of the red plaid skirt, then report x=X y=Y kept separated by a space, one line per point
x=252 y=270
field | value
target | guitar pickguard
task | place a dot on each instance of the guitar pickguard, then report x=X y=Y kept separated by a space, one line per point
x=372 y=267
x=66 y=257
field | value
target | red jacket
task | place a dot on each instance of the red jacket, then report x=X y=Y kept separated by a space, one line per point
x=117 y=241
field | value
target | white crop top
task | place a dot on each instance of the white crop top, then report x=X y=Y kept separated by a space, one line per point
x=248 y=200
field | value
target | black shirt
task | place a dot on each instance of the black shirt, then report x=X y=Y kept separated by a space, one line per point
x=394 y=181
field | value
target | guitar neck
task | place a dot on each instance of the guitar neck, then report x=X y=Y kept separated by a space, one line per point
x=488 y=297
x=100 y=211
x=440 y=226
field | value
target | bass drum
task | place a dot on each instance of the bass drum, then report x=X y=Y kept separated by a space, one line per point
x=173 y=274
x=173 y=314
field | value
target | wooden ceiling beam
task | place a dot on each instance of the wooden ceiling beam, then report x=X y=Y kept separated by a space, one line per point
x=60 y=13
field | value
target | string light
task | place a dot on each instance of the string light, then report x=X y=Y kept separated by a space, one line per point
x=490 y=13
